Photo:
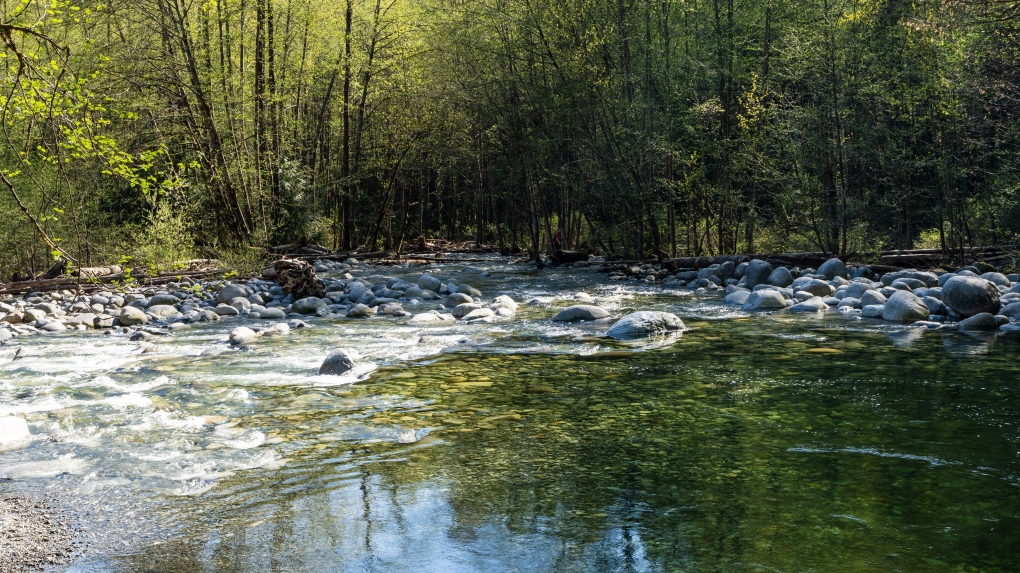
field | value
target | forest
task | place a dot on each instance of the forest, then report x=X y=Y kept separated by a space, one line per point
x=155 y=131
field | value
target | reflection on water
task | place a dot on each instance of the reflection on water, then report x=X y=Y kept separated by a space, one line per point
x=748 y=444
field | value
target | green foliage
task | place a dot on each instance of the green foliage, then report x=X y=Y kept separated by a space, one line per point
x=639 y=127
x=165 y=240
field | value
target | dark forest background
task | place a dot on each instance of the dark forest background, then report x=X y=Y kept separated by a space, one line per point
x=158 y=130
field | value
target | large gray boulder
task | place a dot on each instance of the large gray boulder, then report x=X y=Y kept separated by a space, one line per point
x=580 y=312
x=757 y=273
x=737 y=297
x=780 y=277
x=164 y=299
x=997 y=278
x=767 y=299
x=308 y=305
x=131 y=316
x=272 y=313
x=338 y=362
x=646 y=323
x=968 y=296
x=904 y=306
x=873 y=297
x=429 y=282
x=14 y=433
x=832 y=268
x=230 y=292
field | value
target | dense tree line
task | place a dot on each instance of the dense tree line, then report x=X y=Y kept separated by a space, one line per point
x=160 y=129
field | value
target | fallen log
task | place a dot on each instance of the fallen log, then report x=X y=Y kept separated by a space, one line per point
x=100 y=283
x=567 y=257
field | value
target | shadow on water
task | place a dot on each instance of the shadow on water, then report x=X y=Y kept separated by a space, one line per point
x=737 y=448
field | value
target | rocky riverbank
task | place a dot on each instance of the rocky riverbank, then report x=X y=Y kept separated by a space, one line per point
x=33 y=536
x=966 y=298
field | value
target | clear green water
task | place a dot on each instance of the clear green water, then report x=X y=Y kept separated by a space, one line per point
x=749 y=444
x=729 y=451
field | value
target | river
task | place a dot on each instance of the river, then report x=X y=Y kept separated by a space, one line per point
x=750 y=443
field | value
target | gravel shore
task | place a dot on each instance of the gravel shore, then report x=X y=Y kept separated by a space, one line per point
x=33 y=535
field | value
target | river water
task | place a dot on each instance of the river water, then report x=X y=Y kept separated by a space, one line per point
x=750 y=443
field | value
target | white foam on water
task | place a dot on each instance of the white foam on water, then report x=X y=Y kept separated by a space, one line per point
x=67 y=464
x=130 y=400
x=247 y=440
x=44 y=404
x=239 y=395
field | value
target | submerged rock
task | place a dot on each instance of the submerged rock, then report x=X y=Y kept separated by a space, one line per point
x=646 y=323
x=338 y=362
x=580 y=312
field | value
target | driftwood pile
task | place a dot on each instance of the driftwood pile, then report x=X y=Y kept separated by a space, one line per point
x=298 y=278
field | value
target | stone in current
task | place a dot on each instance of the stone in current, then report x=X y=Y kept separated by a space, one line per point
x=338 y=362
x=429 y=282
x=581 y=312
x=646 y=323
